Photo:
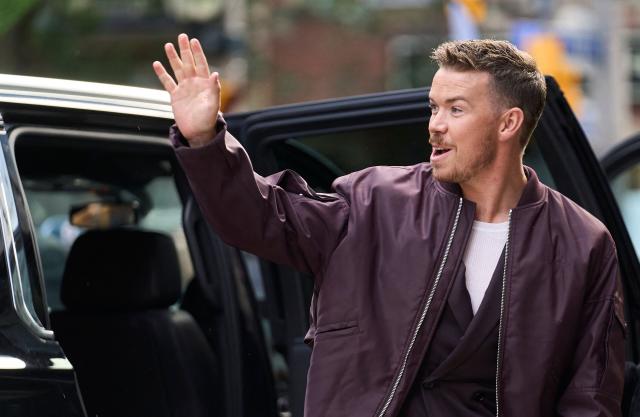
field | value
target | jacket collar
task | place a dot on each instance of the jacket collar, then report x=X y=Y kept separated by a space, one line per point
x=534 y=190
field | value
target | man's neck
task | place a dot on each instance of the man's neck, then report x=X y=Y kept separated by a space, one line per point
x=495 y=192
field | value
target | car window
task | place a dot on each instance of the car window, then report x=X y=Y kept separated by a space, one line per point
x=55 y=234
x=142 y=180
x=392 y=145
x=626 y=188
x=356 y=150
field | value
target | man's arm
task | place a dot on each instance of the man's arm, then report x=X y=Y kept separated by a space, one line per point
x=278 y=217
x=597 y=371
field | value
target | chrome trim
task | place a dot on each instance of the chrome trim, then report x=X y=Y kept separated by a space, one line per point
x=423 y=315
x=9 y=223
x=502 y=304
x=101 y=135
x=85 y=95
x=61 y=364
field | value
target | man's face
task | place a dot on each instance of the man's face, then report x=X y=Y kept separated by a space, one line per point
x=463 y=126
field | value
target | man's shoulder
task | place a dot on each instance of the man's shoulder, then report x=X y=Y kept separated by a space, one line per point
x=385 y=179
x=388 y=174
x=581 y=223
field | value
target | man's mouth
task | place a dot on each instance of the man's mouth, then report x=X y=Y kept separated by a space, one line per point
x=438 y=153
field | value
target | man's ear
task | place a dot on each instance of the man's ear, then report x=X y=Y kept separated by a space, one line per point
x=510 y=124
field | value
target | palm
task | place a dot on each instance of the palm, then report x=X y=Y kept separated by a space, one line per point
x=195 y=104
x=195 y=94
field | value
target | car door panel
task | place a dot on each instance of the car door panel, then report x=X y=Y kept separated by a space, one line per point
x=36 y=379
x=328 y=135
x=239 y=339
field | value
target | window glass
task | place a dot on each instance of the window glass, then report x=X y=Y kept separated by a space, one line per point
x=355 y=150
x=626 y=188
x=166 y=216
x=392 y=145
x=51 y=200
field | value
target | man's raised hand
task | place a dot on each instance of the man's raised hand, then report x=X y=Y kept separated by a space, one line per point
x=195 y=93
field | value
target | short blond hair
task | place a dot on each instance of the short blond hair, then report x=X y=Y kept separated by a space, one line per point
x=516 y=79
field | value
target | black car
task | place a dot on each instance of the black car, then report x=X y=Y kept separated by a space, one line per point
x=119 y=300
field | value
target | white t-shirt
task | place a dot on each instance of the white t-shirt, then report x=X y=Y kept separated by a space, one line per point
x=481 y=257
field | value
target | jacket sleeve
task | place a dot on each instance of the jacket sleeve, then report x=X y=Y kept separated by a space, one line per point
x=278 y=217
x=597 y=371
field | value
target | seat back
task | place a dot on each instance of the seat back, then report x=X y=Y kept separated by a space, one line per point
x=133 y=354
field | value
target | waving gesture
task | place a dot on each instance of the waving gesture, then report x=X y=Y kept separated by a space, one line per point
x=195 y=93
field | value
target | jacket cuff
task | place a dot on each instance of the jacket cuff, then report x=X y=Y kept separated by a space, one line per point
x=179 y=141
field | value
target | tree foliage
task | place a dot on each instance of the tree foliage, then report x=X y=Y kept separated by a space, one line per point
x=11 y=11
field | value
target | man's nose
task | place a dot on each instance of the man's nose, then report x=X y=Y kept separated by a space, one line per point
x=437 y=123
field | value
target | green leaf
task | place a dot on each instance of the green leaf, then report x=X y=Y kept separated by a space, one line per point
x=11 y=11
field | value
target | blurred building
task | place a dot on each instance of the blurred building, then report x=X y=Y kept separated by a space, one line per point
x=305 y=50
x=281 y=51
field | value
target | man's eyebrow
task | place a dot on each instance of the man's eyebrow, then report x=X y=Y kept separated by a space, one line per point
x=451 y=99
x=456 y=98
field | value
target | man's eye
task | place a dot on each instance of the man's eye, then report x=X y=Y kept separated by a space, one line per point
x=434 y=108
x=456 y=110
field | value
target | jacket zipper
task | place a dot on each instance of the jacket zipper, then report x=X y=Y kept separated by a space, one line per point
x=403 y=367
x=502 y=301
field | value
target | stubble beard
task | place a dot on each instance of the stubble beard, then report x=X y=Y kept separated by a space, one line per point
x=466 y=170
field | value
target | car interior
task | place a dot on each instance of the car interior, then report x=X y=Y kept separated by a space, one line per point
x=107 y=216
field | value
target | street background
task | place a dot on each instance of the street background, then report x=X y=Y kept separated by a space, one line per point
x=273 y=52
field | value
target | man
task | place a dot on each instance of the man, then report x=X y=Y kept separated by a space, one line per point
x=463 y=287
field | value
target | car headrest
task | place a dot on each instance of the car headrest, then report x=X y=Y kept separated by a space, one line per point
x=121 y=270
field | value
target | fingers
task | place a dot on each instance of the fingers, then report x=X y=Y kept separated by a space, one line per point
x=174 y=61
x=200 y=59
x=188 y=64
x=164 y=77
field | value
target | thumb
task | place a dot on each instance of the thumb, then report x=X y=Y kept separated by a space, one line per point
x=214 y=78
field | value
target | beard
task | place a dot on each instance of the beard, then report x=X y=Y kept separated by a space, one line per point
x=465 y=167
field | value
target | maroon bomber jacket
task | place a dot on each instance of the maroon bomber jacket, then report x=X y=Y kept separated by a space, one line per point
x=383 y=250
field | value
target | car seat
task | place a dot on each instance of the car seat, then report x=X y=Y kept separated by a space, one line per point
x=133 y=353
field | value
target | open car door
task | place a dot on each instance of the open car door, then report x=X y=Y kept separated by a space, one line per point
x=327 y=139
